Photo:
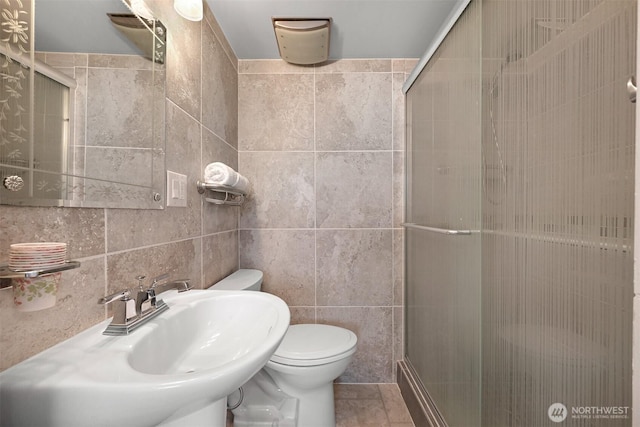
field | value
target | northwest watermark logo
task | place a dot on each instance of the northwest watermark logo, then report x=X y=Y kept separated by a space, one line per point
x=557 y=412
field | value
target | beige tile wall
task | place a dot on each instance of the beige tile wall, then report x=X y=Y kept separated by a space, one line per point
x=115 y=245
x=323 y=147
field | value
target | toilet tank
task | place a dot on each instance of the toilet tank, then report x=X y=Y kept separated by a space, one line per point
x=241 y=280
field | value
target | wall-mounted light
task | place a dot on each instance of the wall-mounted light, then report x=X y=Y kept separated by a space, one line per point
x=189 y=9
x=303 y=41
x=140 y=8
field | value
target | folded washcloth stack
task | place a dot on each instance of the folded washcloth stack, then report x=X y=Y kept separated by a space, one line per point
x=220 y=174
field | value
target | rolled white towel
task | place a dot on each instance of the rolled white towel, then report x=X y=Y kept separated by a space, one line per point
x=220 y=174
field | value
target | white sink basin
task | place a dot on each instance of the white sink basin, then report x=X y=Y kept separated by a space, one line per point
x=176 y=370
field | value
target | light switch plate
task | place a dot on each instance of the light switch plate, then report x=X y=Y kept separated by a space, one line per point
x=176 y=189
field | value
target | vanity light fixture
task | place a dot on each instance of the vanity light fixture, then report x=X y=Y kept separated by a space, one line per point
x=302 y=41
x=189 y=9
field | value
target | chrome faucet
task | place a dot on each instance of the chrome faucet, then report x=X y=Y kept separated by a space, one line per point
x=129 y=313
x=158 y=287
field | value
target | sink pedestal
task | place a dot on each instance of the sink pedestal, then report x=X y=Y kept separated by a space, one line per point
x=212 y=415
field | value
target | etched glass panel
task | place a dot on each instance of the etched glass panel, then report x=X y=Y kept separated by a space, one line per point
x=557 y=200
x=16 y=80
x=558 y=145
x=444 y=190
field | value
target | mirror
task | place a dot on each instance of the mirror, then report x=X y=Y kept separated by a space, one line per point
x=81 y=116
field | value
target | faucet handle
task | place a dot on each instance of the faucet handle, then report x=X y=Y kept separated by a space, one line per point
x=123 y=310
x=118 y=296
x=158 y=279
x=183 y=285
x=140 y=279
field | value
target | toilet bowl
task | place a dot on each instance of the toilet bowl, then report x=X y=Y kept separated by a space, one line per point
x=295 y=388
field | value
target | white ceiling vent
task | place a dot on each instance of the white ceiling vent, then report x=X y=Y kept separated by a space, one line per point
x=303 y=41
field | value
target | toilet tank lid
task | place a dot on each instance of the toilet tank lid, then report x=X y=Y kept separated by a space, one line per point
x=242 y=279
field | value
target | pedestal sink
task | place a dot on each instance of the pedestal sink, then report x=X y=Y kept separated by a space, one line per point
x=175 y=370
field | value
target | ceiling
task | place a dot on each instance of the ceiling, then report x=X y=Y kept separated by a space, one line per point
x=360 y=28
x=79 y=26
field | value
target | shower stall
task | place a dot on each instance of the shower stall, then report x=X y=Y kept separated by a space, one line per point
x=519 y=217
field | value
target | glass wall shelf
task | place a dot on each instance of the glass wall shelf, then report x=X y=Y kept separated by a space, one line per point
x=7 y=273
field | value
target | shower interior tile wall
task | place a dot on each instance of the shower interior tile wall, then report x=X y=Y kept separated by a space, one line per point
x=324 y=149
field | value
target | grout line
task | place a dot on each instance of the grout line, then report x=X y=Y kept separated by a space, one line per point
x=315 y=203
x=105 y=264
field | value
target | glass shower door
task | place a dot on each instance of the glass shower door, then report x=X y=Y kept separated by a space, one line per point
x=443 y=219
x=557 y=234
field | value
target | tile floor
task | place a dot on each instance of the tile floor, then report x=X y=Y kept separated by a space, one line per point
x=369 y=405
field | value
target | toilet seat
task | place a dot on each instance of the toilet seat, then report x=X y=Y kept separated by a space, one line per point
x=313 y=344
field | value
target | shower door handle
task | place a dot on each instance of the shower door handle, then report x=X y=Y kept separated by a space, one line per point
x=632 y=89
x=437 y=230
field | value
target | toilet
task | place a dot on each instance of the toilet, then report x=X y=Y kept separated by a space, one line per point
x=295 y=388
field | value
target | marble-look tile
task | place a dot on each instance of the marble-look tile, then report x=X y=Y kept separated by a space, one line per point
x=360 y=413
x=355 y=66
x=216 y=218
x=353 y=111
x=372 y=362
x=370 y=405
x=404 y=65
x=275 y=112
x=301 y=315
x=398 y=337
x=134 y=228
x=183 y=147
x=79 y=107
x=136 y=62
x=356 y=391
x=214 y=149
x=272 y=66
x=354 y=267
x=398 y=266
x=119 y=109
x=183 y=65
x=282 y=190
x=354 y=189
x=219 y=89
x=219 y=256
x=81 y=229
x=398 y=188
x=182 y=260
x=287 y=259
x=399 y=124
x=222 y=39
x=76 y=163
x=64 y=60
x=119 y=164
x=24 y=334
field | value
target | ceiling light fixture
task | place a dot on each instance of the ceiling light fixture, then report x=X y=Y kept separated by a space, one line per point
x=189 y=9
x=303 y=41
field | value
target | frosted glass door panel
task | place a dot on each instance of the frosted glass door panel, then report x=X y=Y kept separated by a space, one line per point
x=558 y=146
x=444 y=191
